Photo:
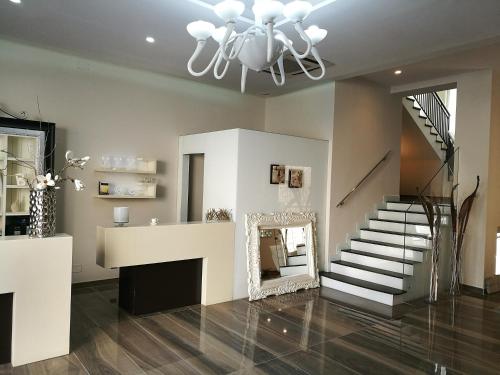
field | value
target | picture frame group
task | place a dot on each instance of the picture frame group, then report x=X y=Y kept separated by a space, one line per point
x=278 y=176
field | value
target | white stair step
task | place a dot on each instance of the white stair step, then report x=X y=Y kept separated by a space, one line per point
x=396 y=238
x=413 y=207
x=412 y=217
x=293 y=270
x=378 y=261
x=398 y=226
x=373 y=292
x=386 y=249
x=297 y=260
x=366 y=273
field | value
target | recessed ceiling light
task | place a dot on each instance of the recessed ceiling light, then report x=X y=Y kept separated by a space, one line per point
x=398 y=72
x=150 y=39
x=15 y=1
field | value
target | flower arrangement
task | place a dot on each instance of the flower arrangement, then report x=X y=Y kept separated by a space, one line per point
x=216 y=215
x=44 y=182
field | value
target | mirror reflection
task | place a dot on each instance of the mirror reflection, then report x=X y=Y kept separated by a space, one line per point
x=283 y=252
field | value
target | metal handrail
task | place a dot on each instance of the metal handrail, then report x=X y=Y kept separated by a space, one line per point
x=341 y=203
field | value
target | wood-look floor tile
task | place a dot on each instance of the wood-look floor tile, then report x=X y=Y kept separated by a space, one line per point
x=200 y=351
x=98 y=353
x=66 y=365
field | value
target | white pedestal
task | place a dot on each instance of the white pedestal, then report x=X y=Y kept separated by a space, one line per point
x=38 y=272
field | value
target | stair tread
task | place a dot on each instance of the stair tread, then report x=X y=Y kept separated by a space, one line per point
x=388 y=244
x=396 y=233
x=384 y=257
x=399 y=275
x=362 y=283
x=399 y=222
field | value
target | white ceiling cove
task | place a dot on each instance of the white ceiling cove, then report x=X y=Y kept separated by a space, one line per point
x=364 y=36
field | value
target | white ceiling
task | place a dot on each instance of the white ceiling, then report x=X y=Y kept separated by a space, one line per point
x=365 y=36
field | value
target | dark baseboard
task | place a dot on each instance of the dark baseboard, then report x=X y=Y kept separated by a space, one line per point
x=473 y=290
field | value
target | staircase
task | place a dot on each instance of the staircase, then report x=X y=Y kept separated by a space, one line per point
x=386 y=261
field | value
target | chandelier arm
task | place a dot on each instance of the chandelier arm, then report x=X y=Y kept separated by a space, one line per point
x=270 y=39
x=282 y=72
x=315 y=53
x=244 y=71
x=303 y=35
x=199 y=47
x=217 y=65
x=289 y=45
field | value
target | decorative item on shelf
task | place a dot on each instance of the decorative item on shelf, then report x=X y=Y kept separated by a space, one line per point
x=154 y=221
x=459 y=225
x=106 y=162
x=15 y=206
x=120 y=216
x=261 y=46
x=42 y=210
x=433 y=214
x=295 y=178
x=103 y=188
x=20 y=179
x=277 y=174
x=217 y=215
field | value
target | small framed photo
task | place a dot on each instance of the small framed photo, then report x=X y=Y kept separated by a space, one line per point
x=295 y=178
x=277 y=174
x=103 y=188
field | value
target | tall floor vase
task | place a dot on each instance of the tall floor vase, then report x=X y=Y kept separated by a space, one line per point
x=42 y=213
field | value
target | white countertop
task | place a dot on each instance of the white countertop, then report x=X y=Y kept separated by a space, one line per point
x=26 y=237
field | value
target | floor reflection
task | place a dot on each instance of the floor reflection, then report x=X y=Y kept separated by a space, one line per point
x=300 y=333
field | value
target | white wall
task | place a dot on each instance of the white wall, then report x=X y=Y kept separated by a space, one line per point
x=248 y=190
x=256 y=152
x=104 y=109
x=220 y=173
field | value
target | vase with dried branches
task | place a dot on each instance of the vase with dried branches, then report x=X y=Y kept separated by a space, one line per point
x=459 y=221
x=433 y=214
x=43 y=189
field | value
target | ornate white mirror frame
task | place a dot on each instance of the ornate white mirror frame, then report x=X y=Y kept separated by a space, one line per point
x=257 y=288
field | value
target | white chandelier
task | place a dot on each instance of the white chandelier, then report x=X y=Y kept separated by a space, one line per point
x=261 y=46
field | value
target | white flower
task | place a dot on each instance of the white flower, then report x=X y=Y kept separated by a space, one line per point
x=79 y=185
x=44 y=181
x=76 y=162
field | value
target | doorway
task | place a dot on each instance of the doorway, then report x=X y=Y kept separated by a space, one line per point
x=195 y=187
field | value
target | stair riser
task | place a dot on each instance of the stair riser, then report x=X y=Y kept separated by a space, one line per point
x=291 y=271
x=373 y=295
x=394 y=252
x=298 y=260
x=399 y=227
x=396 y=239
x=383 y=264
x=372 y=277
x=414 y=207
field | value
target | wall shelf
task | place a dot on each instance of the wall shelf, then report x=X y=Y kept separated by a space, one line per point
x=129 y=171
x=17 y=214
x=17 y=187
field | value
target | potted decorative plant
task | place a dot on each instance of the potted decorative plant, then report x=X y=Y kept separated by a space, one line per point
x=43 y=194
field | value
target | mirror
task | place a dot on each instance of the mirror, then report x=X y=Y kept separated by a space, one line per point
x=281 y=253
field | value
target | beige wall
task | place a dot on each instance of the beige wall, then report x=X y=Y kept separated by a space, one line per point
x=367 y=124
x=473 y=138
x=493 y=217
x=104 y=109
x=419 y=161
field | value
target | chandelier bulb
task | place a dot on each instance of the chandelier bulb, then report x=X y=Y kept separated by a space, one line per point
x=316 y=34
x=200 y=30
x=297 y=11
x=229 y=10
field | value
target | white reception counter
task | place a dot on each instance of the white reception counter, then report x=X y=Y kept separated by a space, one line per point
x=38 y=272
x=214 y=243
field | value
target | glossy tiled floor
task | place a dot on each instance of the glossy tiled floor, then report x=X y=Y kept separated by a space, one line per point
x=293 y=334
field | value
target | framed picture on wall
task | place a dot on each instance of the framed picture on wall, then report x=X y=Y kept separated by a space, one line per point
x=295 y=178
x=277 y=174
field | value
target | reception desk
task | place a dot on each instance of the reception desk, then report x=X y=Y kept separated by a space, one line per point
x=147 y=252
x=36 y=275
